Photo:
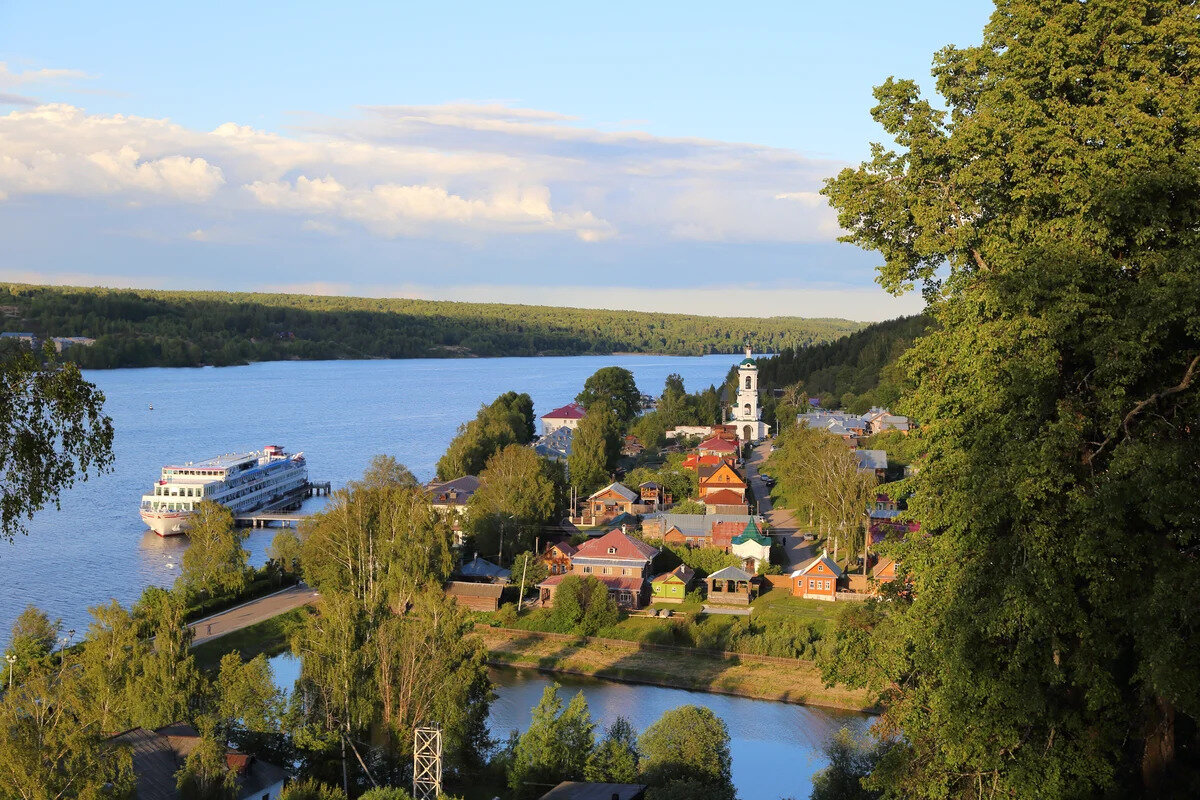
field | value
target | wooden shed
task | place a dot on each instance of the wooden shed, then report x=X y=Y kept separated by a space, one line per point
x=476 y=596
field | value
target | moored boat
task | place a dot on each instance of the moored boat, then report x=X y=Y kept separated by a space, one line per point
x=242 y=482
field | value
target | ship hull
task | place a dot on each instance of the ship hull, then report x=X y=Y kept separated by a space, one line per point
x=166 y=524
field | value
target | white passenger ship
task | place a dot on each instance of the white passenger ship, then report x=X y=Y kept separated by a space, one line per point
x=242 y=482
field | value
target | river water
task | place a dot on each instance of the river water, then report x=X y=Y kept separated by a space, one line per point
x=340 y=413
x=776 y=747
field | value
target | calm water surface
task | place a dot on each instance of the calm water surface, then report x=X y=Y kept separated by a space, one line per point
x=340 y=413
x=776 y=747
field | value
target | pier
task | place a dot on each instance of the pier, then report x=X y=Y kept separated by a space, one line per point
x=287 y=512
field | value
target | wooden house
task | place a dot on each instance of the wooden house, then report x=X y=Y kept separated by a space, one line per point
x=818 y=579
x=725 y=501
x=672 y=587
x=475 y=596
x=723 y=478
x=557 y=557
x=653 y=496
x=615 y=559
x=731 y=586
x=606 y=504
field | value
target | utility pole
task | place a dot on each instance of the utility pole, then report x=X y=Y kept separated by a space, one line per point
x=524 y=569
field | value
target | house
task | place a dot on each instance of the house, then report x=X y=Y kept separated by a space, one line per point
x=617 y=560
x=725 y=501
x=753 y=547
x=653 y=496
x=567 y=416
x=878 y=420
x=556 y=445
x=480 y=570
x=703 y=431
x=731 y=586
x=631 y=446
x=724 y=477
x=883 y=572
x=557 y=557
x=475 y=596
x=719 y=447
x=873 y=461
x=578 y=790
x=818 y=579
x=606 y=504
x=672 y=587
x=158 y=754
x=453 y=496
x=696 y=530
x=695 y=462
x=29 y=338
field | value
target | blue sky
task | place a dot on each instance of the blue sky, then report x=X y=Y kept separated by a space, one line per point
x=650 y=155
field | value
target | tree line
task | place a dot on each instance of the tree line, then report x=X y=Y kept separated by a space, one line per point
x=142 y=328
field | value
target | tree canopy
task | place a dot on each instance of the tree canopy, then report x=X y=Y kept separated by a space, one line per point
x=507 y=420
x=615 y=388
x=1048 y=647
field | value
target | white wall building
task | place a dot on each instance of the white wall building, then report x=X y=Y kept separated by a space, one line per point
x=747 y=416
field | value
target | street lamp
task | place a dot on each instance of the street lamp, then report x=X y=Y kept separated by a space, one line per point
x=12 y=667
x=62 y=650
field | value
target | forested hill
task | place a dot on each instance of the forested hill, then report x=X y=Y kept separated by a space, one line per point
x=138 y=328
x=854 y=372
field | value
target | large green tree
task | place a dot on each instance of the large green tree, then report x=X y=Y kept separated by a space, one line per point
x=518 y=488
x=555 y=747
x=688 y=748
x=594 y=449
x=507 y=420
x=53 y=430
x=615 y=388
x=214 y=561
x=1048 y=647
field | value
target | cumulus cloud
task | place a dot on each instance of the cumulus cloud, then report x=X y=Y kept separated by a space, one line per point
x=487 y=169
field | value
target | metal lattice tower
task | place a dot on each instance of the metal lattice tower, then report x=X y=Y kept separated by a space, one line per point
x=427 y=763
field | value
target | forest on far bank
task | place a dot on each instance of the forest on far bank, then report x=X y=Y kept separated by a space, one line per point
x=143 y=328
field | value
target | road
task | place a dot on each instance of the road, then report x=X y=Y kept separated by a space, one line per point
x=252 y=612
x=783 y=524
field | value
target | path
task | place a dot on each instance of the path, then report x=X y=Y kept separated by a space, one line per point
x=781 y=520
x=252 y=613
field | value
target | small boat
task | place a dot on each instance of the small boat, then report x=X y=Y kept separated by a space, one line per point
x=152 y=406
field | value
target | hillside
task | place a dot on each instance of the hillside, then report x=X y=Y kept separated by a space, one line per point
x=854 y=372
x=138 y=328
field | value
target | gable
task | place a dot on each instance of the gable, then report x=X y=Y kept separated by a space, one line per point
x=724 y=474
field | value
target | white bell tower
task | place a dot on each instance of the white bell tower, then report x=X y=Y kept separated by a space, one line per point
x=747 y=416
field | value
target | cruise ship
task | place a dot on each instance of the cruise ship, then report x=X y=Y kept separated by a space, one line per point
x=242 y=482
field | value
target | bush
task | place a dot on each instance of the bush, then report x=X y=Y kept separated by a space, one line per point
x=583 y=605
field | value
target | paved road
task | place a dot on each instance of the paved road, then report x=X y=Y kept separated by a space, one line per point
x=253 y=612
x=781 y=520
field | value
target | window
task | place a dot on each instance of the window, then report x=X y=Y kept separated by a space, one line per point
x=747 y=381
x=605 y=570
x=624 y=571
x=588 y=570
x=612 y=551
x=812 y=584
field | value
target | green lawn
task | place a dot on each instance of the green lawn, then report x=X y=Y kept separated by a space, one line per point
x=271 y=636
x=779 y=602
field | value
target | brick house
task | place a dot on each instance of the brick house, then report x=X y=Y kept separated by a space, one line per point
x=817 y=580
x=615 y=559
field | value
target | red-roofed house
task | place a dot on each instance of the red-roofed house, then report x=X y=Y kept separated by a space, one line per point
x=716 y=446
x=695 y=461
x=557 y=556
x=724 y=477
x=725 y=501
x=619 y=561
x=566 y=417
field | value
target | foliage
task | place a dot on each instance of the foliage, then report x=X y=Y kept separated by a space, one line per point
x=52 y=744
x=583 y=605
x=855 y=372
x=819 y=477
x=704 y=560
x=554 y=748
x=385 y=793
x=214 y=561
x=689 y=506
x=615 y=759
x=53 y=430
x=690 y=745
x=205 y=774
x=508 y=420
x=529 y=567
x=310 y=789
x=1048 y=646
x=144 y=328
x=168 y=682
x=519 y=483
x=595 y=447
x=246 y=695
x=615 y=388
x=850 y=760
x=680 y=483
x=284 y=550
x=32 y=641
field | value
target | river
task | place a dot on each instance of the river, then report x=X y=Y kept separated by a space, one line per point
x=776 y=747
x=340 y=413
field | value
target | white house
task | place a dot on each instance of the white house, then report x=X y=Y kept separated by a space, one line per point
x=567 y=416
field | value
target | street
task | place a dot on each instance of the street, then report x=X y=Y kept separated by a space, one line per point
x=252 y=612
x=783 y=525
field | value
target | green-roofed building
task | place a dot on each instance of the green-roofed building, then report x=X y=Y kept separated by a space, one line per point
x=753 y=547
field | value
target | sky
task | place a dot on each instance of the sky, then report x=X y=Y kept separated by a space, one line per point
x=649 y=156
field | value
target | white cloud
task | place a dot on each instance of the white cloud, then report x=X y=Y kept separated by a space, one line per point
x=28 y=76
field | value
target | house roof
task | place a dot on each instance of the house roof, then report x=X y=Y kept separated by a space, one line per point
x=722 y=533
x=611 y=581
x=482 y=568
x=751 y=533
x=697 y=524
x=683 y=573
x=566 y=548
x=578 y=790
x=723 y=475
x=455 y=492
x=718 y=445
x=556 y=443
x=731 y=574
x=871 y=459
x=618 y=489
x=569 y=411
x=823 y=558
x=625 y=547
x=724 y=497
x=883 y=565
x=467 y=589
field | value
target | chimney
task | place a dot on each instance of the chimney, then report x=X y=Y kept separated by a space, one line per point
x=623 y=528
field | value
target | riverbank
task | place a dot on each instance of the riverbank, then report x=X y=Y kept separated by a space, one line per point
x=759 y=677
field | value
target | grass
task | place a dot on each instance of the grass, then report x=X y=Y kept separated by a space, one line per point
x=778 y=602
x=270 y=637
x=745 y=676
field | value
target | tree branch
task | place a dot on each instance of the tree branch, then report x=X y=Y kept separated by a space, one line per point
x=1188 y=377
